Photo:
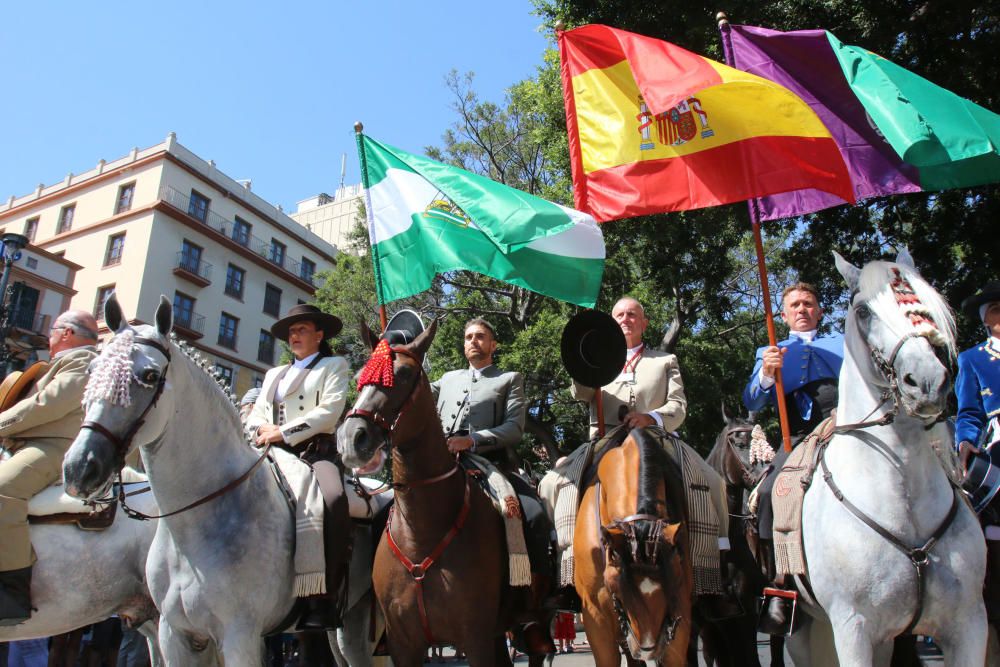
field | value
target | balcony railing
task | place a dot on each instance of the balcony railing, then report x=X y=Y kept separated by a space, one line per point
x=228 y=228
x=193 y=269
x=30 y=321
x=190 y=324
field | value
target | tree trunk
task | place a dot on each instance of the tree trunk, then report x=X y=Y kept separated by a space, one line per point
x=543 y=432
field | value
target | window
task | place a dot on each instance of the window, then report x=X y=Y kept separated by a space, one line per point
x=272 y=300
x=198 y=206
x=234 y=281
x=124 y=202
x=103 y=293
x=277 y=252
x=241 y=231
x=307 y=270
x=190 y=257
x=31 y=228
x=66 y=219
x=32 y=263
x=226 y=372
x=183 y=310
x=116 y=246
x=23 y=304
x=265 y=348
x=258 y=381
x=227 y=330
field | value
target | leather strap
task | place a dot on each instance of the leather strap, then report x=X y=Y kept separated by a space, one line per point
x=919 y=556
x=419 y=570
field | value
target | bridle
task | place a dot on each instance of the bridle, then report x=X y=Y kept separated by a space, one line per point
x=749 y=479
x=645 y=553
x=123 y=443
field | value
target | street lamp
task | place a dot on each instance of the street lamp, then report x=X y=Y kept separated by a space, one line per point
x=12 y=246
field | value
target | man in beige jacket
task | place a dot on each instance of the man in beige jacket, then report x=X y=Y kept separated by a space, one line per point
x=37 y=431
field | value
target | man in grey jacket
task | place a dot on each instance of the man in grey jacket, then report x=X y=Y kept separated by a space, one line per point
x=482 y=410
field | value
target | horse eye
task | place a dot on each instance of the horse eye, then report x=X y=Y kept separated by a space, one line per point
x=864 y=312
x=149 y=376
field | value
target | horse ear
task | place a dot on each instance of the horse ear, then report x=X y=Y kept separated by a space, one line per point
x=113 y=316
x=670 y=532
x=725 y=413
x=368 y=337
x=851 y=273
x=903 y=257
x=423 y=341
x=164 y=316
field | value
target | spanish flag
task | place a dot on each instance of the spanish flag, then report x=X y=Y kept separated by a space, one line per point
x=654 y=128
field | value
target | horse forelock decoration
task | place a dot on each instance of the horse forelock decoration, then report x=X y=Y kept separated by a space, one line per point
x=225 y=519
x=633 y=564
x=890 y=547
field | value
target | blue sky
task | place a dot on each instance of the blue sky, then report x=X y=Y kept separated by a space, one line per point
x=270 y=91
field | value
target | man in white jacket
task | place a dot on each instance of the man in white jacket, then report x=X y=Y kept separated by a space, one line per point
x=298 y=409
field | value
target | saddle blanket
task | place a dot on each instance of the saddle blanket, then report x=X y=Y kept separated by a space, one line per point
x=561 y=496
x=310 y=559
x=789 y=490
x=505 y=501
x=54 y=500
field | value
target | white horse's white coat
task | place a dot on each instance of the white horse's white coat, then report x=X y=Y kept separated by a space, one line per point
x=221 y=573
x=83 y=577
x=867 y=587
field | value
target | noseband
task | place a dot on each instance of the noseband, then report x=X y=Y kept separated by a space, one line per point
x=123 y=443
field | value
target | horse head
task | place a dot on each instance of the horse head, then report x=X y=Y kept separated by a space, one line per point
x=733 y=455
x=646 y=562
x=900 y=333
x=126 y=381
x=391 y=381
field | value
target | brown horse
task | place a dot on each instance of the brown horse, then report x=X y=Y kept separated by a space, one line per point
x=633 y=564
x=440 y=571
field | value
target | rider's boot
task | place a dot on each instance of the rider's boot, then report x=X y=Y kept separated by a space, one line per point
x=777 y=615
x=15 y=596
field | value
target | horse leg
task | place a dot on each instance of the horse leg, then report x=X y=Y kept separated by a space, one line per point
x=178 y=648
x=243 y=646
x=603 y=638
x=351 y=645
x=502 y=655
x=964 y=642
x=149 y=631
x=904 y=652
x=777 y=646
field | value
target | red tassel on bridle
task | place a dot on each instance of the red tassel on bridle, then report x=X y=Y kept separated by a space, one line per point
x=378 y=370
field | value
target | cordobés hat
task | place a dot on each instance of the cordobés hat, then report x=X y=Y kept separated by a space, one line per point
x=304 y=312
x=593 y=348
x=989 y=294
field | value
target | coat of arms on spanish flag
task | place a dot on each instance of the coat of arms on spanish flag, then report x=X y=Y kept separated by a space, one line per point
x=655 y=128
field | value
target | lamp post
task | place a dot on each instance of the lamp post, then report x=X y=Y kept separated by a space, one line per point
x=12 y=246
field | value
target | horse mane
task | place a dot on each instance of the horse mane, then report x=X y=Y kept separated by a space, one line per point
x=656 y=468
x=924 y=311
x=210 y=379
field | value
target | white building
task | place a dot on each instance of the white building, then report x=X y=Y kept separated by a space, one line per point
x=163 y=221
x=332 y=218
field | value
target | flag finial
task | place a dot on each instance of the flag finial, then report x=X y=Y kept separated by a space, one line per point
x=722 y=18
x=560 y=25
x=359 y=126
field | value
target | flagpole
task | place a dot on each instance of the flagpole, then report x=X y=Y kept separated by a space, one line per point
x=358 y=131
x=754 y=211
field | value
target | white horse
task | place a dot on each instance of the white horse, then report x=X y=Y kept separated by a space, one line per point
x=221 y=571
x=900 y=550
x=85 y=576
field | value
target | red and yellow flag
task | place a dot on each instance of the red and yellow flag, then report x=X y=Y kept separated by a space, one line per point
x=655 y=128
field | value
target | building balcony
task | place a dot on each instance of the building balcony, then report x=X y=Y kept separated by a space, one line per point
x=235 y=233
x=190 y=326
x=193 y=270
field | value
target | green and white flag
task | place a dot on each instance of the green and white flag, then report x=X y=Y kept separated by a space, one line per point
x=426 y=218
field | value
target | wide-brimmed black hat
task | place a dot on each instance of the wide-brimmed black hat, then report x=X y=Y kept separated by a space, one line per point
x=593 y=348
x=303 y=312
x=989 y=294
x=403 y=328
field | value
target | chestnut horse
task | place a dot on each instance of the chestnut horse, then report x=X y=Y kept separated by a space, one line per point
x=440 y=571
x=633 y=563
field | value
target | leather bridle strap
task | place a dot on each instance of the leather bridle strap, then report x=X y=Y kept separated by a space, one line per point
x=748 y=479
x=419 y=570
x=919 y=556
x=136 y=514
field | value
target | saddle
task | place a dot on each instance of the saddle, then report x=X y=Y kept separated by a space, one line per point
x=54 y=507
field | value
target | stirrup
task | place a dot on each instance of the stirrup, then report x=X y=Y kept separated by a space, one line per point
x=778 y=612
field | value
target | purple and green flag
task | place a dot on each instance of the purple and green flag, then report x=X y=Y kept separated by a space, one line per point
x=897 y=131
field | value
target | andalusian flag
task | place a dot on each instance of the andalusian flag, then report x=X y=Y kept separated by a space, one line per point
x=897 y=131
x=426 y=218
x=655 y=128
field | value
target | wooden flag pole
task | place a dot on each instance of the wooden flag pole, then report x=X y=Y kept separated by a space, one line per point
x=772 y=338
x=383 y=320
x=359 y=128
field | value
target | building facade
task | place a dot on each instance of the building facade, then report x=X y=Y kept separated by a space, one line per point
x=332 y=218
x=162 y=221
